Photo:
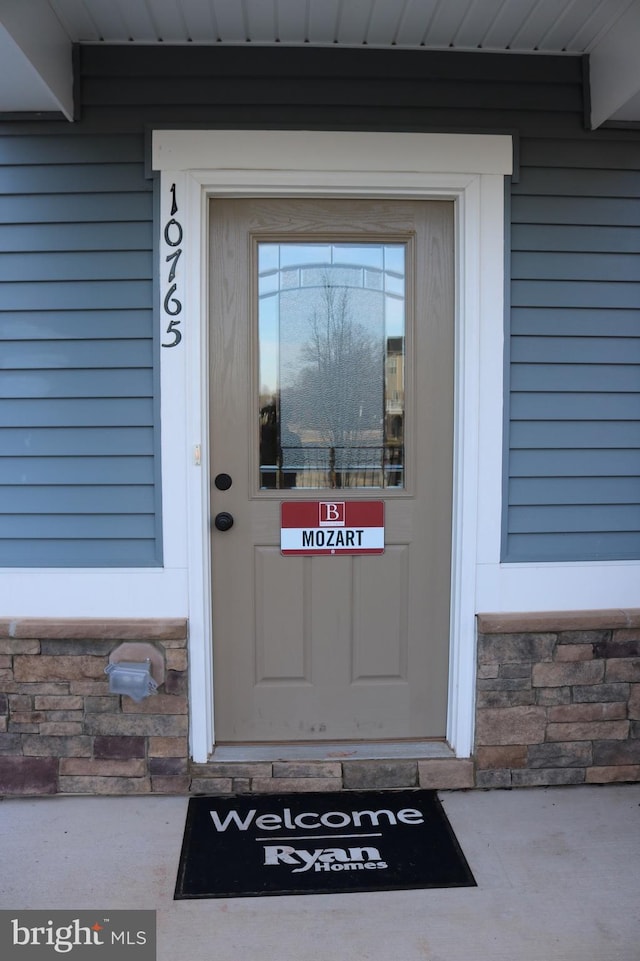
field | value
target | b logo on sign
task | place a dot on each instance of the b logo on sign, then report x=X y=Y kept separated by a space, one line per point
x=331 y=514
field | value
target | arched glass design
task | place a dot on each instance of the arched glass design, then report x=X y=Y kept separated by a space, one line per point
x=331 y=320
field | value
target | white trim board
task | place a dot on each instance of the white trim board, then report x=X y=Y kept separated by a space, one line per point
x=197 y=165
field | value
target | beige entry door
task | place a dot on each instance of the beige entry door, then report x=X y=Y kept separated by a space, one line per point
x=331 y=373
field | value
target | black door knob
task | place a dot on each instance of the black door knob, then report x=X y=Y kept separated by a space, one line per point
x=223 y=521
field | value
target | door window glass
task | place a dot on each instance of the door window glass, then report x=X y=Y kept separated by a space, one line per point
x=331 y=321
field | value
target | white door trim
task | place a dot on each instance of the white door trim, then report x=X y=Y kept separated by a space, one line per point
x=468 y=169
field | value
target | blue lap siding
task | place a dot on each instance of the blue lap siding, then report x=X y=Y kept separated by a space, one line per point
x=78 y=405
x=574 y=426
x=79 y=354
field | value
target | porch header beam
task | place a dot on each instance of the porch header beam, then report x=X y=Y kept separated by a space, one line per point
x=35 y=58
x=614 y=67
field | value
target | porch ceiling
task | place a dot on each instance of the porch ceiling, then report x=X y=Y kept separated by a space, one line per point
x=36 y=36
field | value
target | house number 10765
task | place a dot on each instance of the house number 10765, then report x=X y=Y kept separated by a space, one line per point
x=172 y=305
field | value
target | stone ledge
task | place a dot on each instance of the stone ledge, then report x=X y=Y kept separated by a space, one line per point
x=92 y=628
x=294 y=785
x=556 y=621
x=443 y=775
x=370 y=775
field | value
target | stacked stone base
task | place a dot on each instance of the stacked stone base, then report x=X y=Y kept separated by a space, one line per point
x=62 y=732
x=269 y=777
x=558 y=699
x=558 y=702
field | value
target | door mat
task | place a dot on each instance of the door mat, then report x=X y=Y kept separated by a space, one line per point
x=325 y=843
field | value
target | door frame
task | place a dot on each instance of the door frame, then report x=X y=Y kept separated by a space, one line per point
x=468 y=169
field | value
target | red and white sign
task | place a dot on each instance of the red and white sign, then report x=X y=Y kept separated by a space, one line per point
x=332 y=527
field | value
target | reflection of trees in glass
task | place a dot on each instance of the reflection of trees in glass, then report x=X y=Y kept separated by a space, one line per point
x=279 y=448
x=338 y=390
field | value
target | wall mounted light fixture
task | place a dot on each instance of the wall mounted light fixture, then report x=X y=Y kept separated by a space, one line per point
x=135 y=669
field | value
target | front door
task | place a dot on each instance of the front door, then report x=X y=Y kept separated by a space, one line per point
x=331 y=373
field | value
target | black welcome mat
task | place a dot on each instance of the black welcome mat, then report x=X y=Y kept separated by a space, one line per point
x=318 y=844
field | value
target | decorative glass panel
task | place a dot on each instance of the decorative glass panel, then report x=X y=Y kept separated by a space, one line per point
x=331 y=321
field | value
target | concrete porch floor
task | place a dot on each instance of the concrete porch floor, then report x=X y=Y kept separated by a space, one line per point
x=558 y=872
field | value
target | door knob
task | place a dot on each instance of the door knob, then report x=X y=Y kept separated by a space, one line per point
x=223 y=521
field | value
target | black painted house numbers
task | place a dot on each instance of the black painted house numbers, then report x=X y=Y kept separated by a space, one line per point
x=172 y=305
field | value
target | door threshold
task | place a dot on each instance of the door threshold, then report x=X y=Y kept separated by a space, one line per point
x=333 y=751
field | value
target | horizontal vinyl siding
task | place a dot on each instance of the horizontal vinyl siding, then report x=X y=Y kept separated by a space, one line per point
x=78 y=441
x=573 y=405
x=574 y=424
x=309 y=88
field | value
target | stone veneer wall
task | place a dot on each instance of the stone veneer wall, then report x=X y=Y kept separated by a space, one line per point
x=62 y=732
x=558 y=698
x=558 y=702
